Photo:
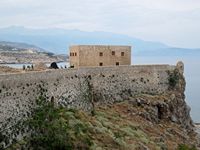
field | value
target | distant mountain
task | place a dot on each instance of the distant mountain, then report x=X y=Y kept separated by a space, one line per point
x=13 y=52
x=4 y=45
x=58 y=41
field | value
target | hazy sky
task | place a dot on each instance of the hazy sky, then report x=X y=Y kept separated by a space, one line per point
x=174 y=22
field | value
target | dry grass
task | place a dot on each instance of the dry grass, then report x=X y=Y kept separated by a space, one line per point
x=6 y=69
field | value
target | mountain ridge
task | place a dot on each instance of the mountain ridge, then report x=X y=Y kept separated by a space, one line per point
x=58 y=40
x=19 y=45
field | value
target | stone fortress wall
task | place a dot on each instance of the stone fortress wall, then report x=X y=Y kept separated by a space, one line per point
x=70 y=88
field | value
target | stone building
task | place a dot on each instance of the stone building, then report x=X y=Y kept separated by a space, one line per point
x=99 y=55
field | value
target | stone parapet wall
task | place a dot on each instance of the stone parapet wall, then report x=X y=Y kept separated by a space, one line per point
x=72 y=88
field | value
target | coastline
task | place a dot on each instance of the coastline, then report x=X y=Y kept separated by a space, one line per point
x=21 y=63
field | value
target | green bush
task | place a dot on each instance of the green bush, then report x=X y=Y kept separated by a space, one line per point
x=185 y=147
x=57 y=128
x=173 y=78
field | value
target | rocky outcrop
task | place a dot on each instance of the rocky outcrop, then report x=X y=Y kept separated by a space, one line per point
x=156 y=93
x=166 y=107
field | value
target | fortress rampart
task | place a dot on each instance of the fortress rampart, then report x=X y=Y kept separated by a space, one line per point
x=70 y=88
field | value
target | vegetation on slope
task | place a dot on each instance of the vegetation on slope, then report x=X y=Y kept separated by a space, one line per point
x=111 y=127
x=6 y=69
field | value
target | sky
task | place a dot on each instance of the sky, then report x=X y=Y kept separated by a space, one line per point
x=173 y=22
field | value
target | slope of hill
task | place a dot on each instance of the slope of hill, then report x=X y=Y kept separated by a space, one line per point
x=58 y=40
x=12 y=52
x=128 y=125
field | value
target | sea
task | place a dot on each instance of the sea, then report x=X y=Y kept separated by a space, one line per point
x=192 y=75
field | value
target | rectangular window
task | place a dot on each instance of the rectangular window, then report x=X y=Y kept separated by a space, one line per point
x=100 y=54
x=113 y=52
x=122 y=53
x=117 y=63
x=75 y=54
x=100 y=64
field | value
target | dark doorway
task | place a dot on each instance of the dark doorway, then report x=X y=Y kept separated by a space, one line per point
x=117 y=63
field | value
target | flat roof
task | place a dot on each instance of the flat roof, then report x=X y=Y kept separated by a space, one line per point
x=102 y=45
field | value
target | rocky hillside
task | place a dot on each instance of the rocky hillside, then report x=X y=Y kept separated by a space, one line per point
x=108 y=118
x=11 y=52
x=140 y=122
x=144 y=122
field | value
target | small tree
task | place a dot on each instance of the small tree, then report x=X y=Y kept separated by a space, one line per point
x=28 y=67
x=173 y=78
x=24 y=67
x=54 y=65
x=32 y=67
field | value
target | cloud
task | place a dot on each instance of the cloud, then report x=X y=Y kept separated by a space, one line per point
x=165 y=20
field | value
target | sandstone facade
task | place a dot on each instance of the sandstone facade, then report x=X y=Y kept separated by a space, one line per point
x=96 y=55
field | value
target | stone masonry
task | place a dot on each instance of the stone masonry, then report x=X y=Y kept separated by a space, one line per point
x=99 y=55
x=70 y=88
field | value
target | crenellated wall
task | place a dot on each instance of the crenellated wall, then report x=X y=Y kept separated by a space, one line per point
x=70 y=88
